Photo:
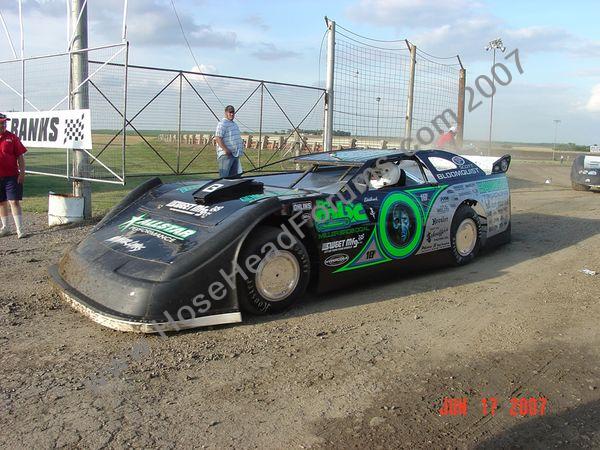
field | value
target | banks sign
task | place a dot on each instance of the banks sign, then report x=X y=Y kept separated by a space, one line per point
x=52 y=129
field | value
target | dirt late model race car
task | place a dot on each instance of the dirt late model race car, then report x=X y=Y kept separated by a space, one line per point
x=585 y=173
x=190 y=254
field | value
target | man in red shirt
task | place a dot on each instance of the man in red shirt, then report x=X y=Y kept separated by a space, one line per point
x=446 y=140
x=12 y=176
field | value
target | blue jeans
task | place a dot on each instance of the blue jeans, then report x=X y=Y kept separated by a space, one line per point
x=229 y=166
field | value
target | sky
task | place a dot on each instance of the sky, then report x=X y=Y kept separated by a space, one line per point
x=559 y=45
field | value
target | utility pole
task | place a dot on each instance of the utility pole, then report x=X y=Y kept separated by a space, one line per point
x=378 y=99
x=328 y=132
x=79 y=99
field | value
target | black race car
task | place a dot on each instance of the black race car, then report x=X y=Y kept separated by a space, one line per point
x=585 y=173
x=190 y=254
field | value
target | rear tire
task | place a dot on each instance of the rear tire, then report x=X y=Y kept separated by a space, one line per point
x=580 y=187
x=465 y=235
x=281 y=277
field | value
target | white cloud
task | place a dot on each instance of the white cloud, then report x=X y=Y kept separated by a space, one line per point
x=205 y=68
x=257 y=21
x=270 y=52
x=593 y=104
x=419 y=13
x=464 y=27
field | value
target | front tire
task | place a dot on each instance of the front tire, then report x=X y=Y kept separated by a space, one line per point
x=281 y=277
x=579 y=187
x=465 y=235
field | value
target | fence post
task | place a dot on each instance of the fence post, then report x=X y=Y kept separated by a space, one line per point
x=179 y=122
x=411 y=93
x=123 y=155
x=462 y=78
x=262 y=90
x=79 y=72
x=328 y=132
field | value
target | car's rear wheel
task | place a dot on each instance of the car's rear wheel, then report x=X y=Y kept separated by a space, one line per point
x=580 y=187
x=465 y=235
x=280 y=271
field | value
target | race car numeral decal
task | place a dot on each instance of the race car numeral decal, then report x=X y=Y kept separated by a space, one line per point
x=212 y=187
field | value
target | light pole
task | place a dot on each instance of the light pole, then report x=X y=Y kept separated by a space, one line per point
x=494 y=45
x=356 y=105
x=378 y=99
x=556 y=122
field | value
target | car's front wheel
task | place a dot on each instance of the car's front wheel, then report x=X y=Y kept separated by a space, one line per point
x=280 y=271
x=465 y=235
x=580 y=187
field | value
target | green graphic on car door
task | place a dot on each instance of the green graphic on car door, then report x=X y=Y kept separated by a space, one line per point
x=399 y=228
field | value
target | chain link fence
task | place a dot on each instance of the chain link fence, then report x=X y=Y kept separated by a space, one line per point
x=391 y=94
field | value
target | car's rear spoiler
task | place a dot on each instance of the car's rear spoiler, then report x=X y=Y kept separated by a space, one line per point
x=490 y=164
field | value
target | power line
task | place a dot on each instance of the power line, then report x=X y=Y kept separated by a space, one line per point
x=320 y=52
x=368 y=38
x=192 y=53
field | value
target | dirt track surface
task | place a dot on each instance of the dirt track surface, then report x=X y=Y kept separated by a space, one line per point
x=367 y=367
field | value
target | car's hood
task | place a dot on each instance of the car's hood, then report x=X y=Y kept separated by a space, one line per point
x=166 y=222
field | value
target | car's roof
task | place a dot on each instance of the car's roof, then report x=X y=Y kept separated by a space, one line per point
x=349 y=157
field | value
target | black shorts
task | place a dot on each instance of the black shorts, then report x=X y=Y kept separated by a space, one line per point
x=10 y=189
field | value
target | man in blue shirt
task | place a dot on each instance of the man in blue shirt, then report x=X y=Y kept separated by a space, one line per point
x=230 y=146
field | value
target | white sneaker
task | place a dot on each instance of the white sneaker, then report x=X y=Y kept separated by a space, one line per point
x=4 y=232
x=21 y=235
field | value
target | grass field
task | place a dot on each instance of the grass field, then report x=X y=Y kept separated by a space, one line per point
x=141 y=163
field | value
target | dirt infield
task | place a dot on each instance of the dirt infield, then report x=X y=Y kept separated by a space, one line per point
x=366 y=367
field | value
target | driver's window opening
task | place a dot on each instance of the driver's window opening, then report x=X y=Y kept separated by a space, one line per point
x=396 y=174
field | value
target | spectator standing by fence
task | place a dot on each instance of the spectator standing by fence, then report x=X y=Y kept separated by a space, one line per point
x=230 y=146
x=446 y=140
x=12 y=177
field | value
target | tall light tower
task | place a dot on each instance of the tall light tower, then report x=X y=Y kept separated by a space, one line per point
x=494 y=45
x=378 y=99
x=556 y=122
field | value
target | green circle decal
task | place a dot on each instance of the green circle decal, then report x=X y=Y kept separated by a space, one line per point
x=400 y=225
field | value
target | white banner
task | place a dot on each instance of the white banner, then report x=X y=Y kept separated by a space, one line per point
x=52 y=129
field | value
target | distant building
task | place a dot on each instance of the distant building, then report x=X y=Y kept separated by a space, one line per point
x=595 y=148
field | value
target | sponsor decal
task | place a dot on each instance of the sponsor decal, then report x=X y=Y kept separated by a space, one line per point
x=444 y=199
x=346 y=232
x=342 y=244
x=442 y=209
x=458 y=160
x=438 y=220
x=304 y=206
x=130 y=244
x=191 y=187
x=330 y=216
x=372 y=213
x=336 y=260
x=213 y=187
x=193 y=209
x=52 y=129
x=457 y=173
x=400 y=225
x=435 y=235
x=495 y=184
x=370 y=199
x=163 y=230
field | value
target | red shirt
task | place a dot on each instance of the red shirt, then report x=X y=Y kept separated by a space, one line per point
x=445 y=140
x=10 y=150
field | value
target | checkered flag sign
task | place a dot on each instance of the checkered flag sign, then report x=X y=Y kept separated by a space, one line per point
x=74 y=130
